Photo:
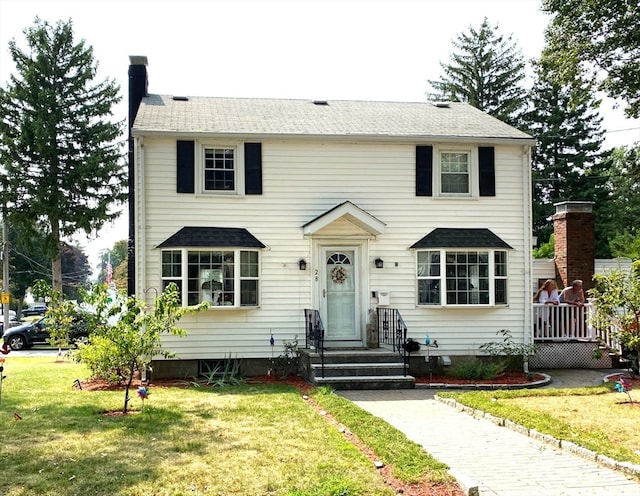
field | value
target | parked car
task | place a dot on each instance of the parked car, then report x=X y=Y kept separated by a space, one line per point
x=12 y=315
x=34 y=310
x=24 y=336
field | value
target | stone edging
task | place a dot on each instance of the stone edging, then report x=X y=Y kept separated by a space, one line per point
x=605 y=461
x=490 y=387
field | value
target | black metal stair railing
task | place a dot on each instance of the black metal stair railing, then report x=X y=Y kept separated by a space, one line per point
x=392 y=330
x=314 y=334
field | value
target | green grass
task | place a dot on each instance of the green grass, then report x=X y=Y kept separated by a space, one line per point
x=408 y=460
x=237 y=440
x=597 y=418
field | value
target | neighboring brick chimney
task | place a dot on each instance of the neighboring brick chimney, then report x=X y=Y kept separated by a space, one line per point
x=575 y=248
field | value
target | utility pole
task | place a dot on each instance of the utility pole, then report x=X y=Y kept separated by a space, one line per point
x=5 y=269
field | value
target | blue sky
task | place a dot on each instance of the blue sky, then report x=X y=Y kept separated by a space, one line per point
x=330 y=49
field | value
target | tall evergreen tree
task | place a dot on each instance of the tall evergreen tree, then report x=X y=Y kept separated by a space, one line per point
x=486 y=71
x=60 y=149
x=566 y=125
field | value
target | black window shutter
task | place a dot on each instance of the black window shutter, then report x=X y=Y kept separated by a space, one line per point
x=185 y=167
x=253 y=168
x=487 y=166
x=424 y=170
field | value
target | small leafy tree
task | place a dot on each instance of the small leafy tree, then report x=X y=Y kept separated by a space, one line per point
x=617 y=295
x=127 y=334
x=513 y=356
x=61 y=313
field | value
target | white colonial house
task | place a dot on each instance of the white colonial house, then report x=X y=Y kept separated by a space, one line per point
x=267 y=207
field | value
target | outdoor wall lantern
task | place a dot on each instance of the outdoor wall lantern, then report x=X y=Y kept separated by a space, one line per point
x=302 y=264
x=379 y=263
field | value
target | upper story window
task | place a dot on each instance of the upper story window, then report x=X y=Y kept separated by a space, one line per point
x=462 y=277
x=455 y=172
x=225 y=168
x=219 y=169
x=223 y=278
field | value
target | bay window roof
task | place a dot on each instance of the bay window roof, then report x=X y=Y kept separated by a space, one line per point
x=443 y=237
x=212 y=236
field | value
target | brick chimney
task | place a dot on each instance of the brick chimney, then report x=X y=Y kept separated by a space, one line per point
x=575 y=248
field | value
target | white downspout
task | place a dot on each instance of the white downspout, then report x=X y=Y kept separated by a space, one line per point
x=141 y=251
x=527 y=227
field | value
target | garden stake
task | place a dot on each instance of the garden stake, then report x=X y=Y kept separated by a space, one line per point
x=624 y=386
x=272 y=342
x=2 y=376
x=143 y=392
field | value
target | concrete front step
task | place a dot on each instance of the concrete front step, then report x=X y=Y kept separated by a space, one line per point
x=361 y=356
x=367 y=382
x=358 y=369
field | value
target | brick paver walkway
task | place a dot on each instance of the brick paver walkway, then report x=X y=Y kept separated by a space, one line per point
x=497 y=460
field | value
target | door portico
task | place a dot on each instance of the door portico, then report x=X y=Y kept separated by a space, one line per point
x=340 y=253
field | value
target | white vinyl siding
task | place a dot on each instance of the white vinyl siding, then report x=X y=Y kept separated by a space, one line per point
x=304 y=178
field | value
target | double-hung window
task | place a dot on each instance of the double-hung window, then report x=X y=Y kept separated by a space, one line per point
x=455 y=172
x=455 y=277
x=219 y=169
x=223 y=278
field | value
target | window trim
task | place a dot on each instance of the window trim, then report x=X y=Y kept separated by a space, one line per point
x=473 y=173
x=442 y=277
x=183 y=280
x=238 y=167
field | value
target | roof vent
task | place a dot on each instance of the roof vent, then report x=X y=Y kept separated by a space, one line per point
x=181 y=98
x=442 y=104
x=320 y=102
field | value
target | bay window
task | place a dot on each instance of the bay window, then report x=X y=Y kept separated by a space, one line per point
x=455 y=277
x=223 y=278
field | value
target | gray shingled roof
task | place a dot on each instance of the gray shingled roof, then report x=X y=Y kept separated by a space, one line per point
x=221 y=237
x=442 y=237
x=248 y=116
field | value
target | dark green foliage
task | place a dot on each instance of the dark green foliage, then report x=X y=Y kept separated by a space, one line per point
x=476 y=369
x=616 y=217
x=597 y=37
x=288 y=361
x=566 y=125
x=60 y=148
x=29 y=263
x=485 y=71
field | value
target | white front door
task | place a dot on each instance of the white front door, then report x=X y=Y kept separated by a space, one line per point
x=341 y=295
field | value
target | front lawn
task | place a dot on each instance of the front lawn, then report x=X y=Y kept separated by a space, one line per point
x=239 y=440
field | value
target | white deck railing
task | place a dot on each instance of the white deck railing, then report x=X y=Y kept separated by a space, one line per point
x=563 y=322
